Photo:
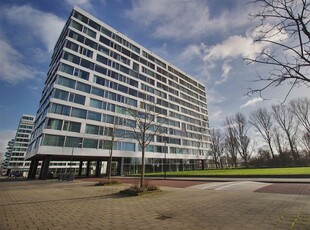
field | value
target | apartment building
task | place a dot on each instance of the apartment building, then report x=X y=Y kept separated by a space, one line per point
x=95 y=76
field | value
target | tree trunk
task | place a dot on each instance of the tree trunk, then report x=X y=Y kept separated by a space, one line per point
x=110 y=167
x=142 y=167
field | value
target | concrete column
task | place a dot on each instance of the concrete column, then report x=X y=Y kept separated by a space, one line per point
x=33 y=169
x=98 y=168
x=87 y=168
x=122 y=167
x=80 y=168
x=44 y=168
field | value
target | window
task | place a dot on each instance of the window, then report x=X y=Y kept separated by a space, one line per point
x=94 y=116
x=66 y=82
x=95 y=103
x=97 y=91
x=89 y=32
x=104 y=50
x=90 y=143
x=76 y=25
x=100 y=69
x=66 y=69
x=92 y=129
x=73 y=141
x=87 y=64
x=54 y=124
x=60 y=109
x=90 y=43
x=71 y=58
x=106 y=31
x=83 y=87
x=60 y=94
x=76 y=98
x=126 y=146
x=53 y=140
x=72 y=126
x=81 y=113
x=102 y=59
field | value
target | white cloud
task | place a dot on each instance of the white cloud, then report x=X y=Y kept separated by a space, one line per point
x=251 y=102
x=85 y=4
x=41 y=25
x=5 y=136
x=226 y=70
x=191 y=51
x=12 y=68
x=242 y=46
x=183 y=19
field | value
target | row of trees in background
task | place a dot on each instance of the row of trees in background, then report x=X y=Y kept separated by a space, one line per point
x=284 y=130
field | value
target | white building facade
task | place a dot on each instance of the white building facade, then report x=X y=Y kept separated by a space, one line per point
x=95 y=75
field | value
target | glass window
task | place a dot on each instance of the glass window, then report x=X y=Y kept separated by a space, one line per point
x=60 y=94
x=102 y=59
x=97 y=91
x=72 y=58
x=87 y=64
x=83 y=87
x=73 y=141
x=66 y=82
x=72 y=46
x=122 y=88
x=95 y=103
x=94 y=24
x=72 y=126
x=54 y=124
x=81 y=113
x=92 y=129
x=53 y=140
x=127 y=146
x=89 y=32
x=66 y=69
x=105 y=40
x=94 y=116
x=81 y=17
x=79 y=99
x=100 y=69
x=60 y=109
x=90 y=143
x=106 y=31
x=104 y=50
x=76 y=25
x=90 y=43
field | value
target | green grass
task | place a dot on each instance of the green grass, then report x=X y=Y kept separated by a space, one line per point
x=262 y=172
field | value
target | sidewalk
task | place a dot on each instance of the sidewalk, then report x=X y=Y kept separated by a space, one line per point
x=226 y=179
x=81 y=205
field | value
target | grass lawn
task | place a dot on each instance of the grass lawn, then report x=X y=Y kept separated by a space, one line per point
x=262 y=172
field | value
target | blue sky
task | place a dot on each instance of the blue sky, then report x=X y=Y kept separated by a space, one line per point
x=206 y=39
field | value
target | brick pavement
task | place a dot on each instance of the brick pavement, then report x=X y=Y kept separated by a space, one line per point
x=80 y=205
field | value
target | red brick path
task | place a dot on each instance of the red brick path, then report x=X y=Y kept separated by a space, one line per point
x=286 y=188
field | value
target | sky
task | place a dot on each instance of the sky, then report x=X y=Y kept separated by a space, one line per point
x=206 y=39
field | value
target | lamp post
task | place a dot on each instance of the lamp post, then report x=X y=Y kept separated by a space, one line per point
x=165 y=164
x=78 y=145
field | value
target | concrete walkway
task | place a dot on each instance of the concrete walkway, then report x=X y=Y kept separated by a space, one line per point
x=80 y=205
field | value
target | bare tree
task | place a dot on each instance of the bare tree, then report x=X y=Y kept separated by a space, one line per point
x=112 y=134
x=284 y=35
x=305 y=140
x=289 y=125
x=241 y=130
x=301 y=108
x=261 y=119
x=148 y=124
x=216 y=147
x=230 y=142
